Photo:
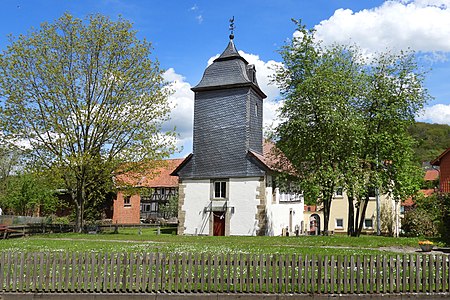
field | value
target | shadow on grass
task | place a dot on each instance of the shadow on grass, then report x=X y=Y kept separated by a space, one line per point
x=169 y=230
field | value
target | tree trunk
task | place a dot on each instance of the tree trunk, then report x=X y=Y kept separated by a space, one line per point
x=351 y=215
x=362 y=216
x=356 y=219
x=81 y=197
x=326 y=212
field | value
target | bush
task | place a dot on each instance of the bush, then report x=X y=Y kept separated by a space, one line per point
x=418 y=222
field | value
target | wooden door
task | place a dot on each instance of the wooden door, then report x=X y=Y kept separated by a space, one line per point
x=219 y=224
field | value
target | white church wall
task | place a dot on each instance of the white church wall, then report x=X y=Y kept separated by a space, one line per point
x=243 y=197
x=284 y=213
x=197 y=197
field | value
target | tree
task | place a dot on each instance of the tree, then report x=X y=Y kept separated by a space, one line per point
x=9 y=159
x=345 y=120
x=319 y=85
x=28 y=194
x=392 y=96
x=87 y=97
x=170 y=208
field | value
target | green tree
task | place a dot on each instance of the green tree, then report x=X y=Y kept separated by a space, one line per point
x=9 y=159
x=345 y=121
x=392 y=96
x=28 y=194
x=87 y=97
x=170 y=209
x=319 y=84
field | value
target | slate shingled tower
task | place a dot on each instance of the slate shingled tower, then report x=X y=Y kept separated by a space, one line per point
x=228 y=115
x=225 y=185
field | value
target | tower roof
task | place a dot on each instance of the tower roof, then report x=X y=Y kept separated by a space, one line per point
x=229 y=70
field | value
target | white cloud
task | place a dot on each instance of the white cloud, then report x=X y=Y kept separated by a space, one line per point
x=439 y=113
x=182 y=102
x=199 y=19
x=422 y=25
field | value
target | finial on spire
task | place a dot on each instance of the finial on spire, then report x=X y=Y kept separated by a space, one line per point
x=232 y=28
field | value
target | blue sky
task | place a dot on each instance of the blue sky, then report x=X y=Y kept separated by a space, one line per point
x=187 y=34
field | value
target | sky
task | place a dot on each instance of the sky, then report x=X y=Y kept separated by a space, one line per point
x=187 y=35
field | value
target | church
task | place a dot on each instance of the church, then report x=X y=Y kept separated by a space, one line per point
x=226 y=183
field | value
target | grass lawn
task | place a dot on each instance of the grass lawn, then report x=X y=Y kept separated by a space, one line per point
x=130 y=240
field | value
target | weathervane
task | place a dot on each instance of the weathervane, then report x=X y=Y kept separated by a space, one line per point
x=232 y=28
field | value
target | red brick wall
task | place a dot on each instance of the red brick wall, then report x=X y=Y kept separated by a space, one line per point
x=127 y=214
x=444 y=175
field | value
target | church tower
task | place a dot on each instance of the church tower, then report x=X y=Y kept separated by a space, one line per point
x=221 y=182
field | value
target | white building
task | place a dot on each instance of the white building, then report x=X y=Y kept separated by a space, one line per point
x=226 y=184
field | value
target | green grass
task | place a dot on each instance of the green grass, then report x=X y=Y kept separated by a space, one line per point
x=128 y=240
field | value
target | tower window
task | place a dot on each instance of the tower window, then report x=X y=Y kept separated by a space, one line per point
x=256 y=109
x=220 y=189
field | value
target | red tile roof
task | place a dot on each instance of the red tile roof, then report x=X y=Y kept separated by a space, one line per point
x=273 y=158
x=431 y=175
x=154 y=176
x=410 y=201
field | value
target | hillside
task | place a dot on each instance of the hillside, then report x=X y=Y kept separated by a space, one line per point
x=432 y=140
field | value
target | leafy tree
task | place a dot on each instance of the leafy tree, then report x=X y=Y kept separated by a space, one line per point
x=28 y=194
x=393 y=95
x=319 y=84
x=170 y=209
x=87 y=97
x=345 y=121
x=9 y=158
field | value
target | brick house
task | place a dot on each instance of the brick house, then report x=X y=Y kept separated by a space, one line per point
x=131 y=209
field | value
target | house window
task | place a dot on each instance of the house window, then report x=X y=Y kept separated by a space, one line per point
x=368 y=223
x=339 y=223
x=220 y=189
x=126 y=201
x=339 y=192
x=371 y=192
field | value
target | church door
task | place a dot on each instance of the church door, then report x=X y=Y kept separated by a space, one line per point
x=219 y=224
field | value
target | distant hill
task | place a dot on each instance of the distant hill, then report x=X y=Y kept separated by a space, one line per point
x=432 y=140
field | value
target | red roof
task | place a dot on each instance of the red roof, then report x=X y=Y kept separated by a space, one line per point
x=410 y=201
x=431 y=175
x=311 y=208
x=155 y=176
x=273 y=158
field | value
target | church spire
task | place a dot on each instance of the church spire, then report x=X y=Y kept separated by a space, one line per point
x=231 y=28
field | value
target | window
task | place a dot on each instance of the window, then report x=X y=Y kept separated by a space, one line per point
x=145 y=207
x=338 y=192
x=339 y=223
x=220 y=189
x=256 y=109
x=371 y=192
x=126 y=201
x=368 y=223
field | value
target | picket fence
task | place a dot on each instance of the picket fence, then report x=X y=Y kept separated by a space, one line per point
x=221 y=273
